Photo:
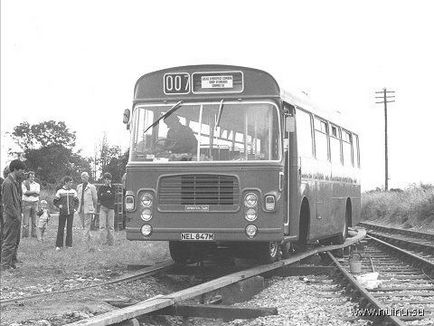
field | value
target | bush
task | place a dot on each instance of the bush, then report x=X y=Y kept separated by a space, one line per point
x=413 y=206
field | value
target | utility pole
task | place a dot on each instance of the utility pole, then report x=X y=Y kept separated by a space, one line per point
x=387 y=97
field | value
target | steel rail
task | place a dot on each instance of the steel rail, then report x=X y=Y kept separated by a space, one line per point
x=416 y=234
x=426 y=265
x=405 y=242
x=162 y=301
x=147 y=271
x=366 y=295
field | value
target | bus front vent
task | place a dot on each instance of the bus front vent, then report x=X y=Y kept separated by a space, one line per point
x=199 y=189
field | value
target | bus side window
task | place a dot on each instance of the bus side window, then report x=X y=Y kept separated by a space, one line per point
x=335 y=145
x=347 y=147
x=357 y=151
x=321 y=141
x=304 y=134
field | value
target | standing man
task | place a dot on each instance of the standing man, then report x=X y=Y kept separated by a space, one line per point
x=31 y=191
x=87 y=206
x=12 y=209
x=5 y=175
x=106 y=197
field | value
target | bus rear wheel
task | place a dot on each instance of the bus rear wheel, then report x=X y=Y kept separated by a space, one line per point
x=268 y=252
x=180 y=252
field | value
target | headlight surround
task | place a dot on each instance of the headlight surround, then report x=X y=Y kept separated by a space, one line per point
x=251 y=231
x=250 y=215
x=146 y=230
x=146 y=214
x=129 y=203
x=250 y=200
x=270 y=203
x=146 y=199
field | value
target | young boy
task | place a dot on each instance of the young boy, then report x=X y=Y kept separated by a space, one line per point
x=66 y=200
x=44 y=215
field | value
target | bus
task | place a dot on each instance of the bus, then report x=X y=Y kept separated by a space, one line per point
x=222 y=158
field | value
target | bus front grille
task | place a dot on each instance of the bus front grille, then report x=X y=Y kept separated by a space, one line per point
x=199 y=189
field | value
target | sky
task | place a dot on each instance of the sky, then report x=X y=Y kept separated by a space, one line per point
x=77 y=61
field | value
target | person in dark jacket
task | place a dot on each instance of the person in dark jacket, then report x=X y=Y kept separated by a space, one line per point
x=5 y=175
x=1 y=215
x=12 y=210
x=180 y=138
x=66 y=200
x=106 y=198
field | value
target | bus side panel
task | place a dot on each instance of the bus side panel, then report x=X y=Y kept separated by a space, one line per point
x=341 y=192
x=322 y=221
x=356 y=202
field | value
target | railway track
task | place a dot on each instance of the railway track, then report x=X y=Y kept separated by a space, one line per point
x=386 y=229
x=173 y=303
x=406 y=292
x=142 y=273
x=405 y=296
x=420 y=243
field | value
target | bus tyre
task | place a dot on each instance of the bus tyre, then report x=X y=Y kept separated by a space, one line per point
x=287 y=249
x=180 y=252
x=268 y=252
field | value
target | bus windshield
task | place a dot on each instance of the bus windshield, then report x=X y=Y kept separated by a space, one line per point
x=217 y=131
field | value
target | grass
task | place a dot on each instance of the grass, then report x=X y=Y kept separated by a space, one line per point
x=409 y=208
x=44 y=267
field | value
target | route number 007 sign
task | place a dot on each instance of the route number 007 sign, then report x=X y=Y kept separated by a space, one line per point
x=176 y=83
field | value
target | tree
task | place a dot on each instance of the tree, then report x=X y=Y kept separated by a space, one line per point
x=53 y=162
x=117 y=167
x=110 y=158
x=107 y=153
x=48 y=150
x=43 y=134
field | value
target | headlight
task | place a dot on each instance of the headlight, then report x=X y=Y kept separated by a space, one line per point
x=250 y=200
x=146 y=230
x=146 y=214
x=146 y=199
x=129 y=203
x=250 y=215
x=270 y=203
x=251 y=230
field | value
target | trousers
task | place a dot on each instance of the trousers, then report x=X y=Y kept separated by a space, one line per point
x=68 y=220
x=29 y=218
x=106 y=224
x=11 y=240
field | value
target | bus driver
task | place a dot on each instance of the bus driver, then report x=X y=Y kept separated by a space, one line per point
x=180 y=138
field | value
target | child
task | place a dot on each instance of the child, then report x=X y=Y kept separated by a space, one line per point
x=66 y=200
x=44 y=215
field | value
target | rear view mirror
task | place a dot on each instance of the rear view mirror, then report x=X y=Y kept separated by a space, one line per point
x=289 y=124
x=126 y=119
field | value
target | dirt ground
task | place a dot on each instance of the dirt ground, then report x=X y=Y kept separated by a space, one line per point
x=45 y=270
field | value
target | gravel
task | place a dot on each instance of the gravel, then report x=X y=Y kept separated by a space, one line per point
x=307 y=300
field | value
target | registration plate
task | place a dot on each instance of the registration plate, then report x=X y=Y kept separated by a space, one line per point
x=197 y=236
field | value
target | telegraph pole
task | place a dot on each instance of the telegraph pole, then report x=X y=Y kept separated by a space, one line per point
x=387 y=97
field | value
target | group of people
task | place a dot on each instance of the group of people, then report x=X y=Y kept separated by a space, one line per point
x=20 y=202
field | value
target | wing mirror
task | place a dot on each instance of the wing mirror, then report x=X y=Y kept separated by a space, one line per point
x=126 y=118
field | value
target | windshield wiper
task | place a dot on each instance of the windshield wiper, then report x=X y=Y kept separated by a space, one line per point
x=219 y=114
x=165 y=115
